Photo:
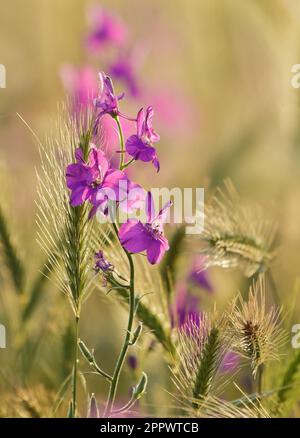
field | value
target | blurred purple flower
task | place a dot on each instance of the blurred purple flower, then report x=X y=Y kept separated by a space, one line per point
x=139 y=146
x=106 y=29
x=101 y=264
x=199 y=275
x=229 y=362
x=186 y=307
x=85 y=180
x=132 y=362
x=136 y=236
x=122 y=69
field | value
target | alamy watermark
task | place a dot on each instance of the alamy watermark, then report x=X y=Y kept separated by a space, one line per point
x=124 y=202
x=2 y=336
x=2 y=76
x=296 y=336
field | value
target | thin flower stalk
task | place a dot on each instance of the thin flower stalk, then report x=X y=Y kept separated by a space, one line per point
x=126 y=345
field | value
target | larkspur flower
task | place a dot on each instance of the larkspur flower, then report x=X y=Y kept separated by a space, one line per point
x=101 y=264
x=106 y=29
x=85 y=180
x=107 y=101
x=140 y=146
x=137 y=237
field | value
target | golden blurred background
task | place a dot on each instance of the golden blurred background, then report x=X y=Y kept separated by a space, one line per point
x=230 y=62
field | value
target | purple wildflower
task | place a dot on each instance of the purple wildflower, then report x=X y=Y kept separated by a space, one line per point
x=199 y=275
x=86 y=180
x=136 y=236
x=186 y=307
x=107 y=101
x=105 y=29
x=101 y=264
x=139 y=146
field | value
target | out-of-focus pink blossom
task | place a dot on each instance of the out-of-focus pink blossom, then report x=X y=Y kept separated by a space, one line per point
x=80 y=83
x=105 y=28
x=176 y=115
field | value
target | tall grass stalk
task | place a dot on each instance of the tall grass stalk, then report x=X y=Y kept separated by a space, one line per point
x=10 y=254
x=65 y=233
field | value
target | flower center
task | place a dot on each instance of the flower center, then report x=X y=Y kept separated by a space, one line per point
x=155 y=229
x=96 y=183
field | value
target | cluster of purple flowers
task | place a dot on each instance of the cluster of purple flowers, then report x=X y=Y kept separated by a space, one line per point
x=95 y=181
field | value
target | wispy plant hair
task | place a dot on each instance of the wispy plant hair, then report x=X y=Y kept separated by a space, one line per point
x=64 y=231
x=201 y=349
x=237 y=235
x=214 y=407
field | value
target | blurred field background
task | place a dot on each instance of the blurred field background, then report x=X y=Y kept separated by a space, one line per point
x=230 y=63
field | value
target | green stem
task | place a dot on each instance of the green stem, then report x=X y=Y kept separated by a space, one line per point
x=274 y=289
x=122 y=355
x=128 y=163
x=75 y=369
x=259 y=380
x=122 y=153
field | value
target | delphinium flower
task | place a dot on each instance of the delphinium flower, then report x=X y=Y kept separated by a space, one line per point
x=185 y=307
x=107 y=100
x=140 y=146
x=137 y=237
x=85 y=180
x=101 y=264
x=199 y=275
x=106 y=29
x=92 y=180
x=255 y=332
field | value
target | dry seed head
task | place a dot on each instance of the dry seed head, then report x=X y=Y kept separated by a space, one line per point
x=201 y=349
x=214 y=407
x=255 y=332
